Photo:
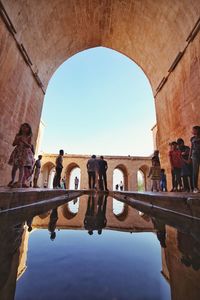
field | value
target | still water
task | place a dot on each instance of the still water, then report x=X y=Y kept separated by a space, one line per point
x=97 y=248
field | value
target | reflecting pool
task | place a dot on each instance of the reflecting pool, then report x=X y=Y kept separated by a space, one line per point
x=98 y=249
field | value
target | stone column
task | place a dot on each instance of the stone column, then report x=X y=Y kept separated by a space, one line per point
x=84 y=178
x=132 y=181
x=110 y=179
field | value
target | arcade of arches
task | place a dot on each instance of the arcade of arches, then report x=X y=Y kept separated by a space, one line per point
x=128 y=165
x=161 y=36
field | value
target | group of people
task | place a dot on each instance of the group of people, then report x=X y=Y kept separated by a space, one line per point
x=184 y=162
x=97 y=177
x=22 y=159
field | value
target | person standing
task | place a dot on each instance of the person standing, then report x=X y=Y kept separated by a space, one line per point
x=121 y=186
x=91 y=168
x=154 y=173
x=163 y=181
x=195 y=156
x=103 y=167
x=22 y=155
x=76 y=183
x=186 y=170
x=59 y=167
x=37 y=168
x=176 y=165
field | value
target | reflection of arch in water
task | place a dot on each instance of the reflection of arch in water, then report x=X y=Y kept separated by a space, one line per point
x=70 y=168
x=121 y=212
x=124 y=172
x=67 y=213
x=143 y=173
x=47 y=174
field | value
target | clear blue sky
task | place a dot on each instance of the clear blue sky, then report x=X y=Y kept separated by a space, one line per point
x=99 y=101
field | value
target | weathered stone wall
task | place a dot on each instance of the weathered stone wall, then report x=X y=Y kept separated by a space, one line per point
x=178 y=103
x=20 y=98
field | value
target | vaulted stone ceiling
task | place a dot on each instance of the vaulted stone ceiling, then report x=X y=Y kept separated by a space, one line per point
x=151 y=32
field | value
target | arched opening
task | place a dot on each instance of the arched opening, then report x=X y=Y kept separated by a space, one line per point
x=142 y=181
x=97 y=93
x=47 y=175
x=120 y=210
x=73 y=176
x=120 y=178
x=130 y=28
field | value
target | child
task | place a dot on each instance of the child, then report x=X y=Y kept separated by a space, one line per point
x=176 y=165
x=195 y=155
x=22 y=154
x=163 y=181
x=155 y=174
x=36 y=168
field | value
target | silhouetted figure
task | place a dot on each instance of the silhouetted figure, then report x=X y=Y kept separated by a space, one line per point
x=195 y=156
x=186 y=169
x=121 y=186
x=101 y=220
x=103 y=166
x=36 y=171
x=52 y=223
x=29 y=224
x=89 y=221
x=163 y=181
x=117 y=187
x=59 y=167
x=76 y=183
x=91 y=168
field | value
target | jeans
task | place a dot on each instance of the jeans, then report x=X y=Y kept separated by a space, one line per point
x=195 y=165
x=91 y=179
x=176 y=178
x=57 y=178
x=102 y=180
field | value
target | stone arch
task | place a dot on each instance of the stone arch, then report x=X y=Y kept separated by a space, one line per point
x=67 y=213
x=46 y=172
x=69 y=169
x=157 y=35
x=144 y=169
x=124 y=171
x=123 y=215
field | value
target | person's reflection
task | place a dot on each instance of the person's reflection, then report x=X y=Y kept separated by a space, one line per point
x=89 y=221
x=101 y=213
x=52 y=223
x=10 y=242
x=190 y=250
x=95 y=217
x=29 y=224
x=160 y=231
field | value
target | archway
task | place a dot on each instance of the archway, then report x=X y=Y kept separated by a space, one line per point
x=120 y=178
x=137 y=29
x=142 y=181
x=47 y=175
x=73 y=176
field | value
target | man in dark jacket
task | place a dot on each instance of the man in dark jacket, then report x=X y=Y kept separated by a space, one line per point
x=103 y=166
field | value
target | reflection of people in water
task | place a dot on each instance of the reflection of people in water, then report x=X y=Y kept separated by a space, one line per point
x=101 y=213
x=52 y=223
x=10 y=242
x=29 y=224
x=160 y=231
x=95 y=217
x=190 y=250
